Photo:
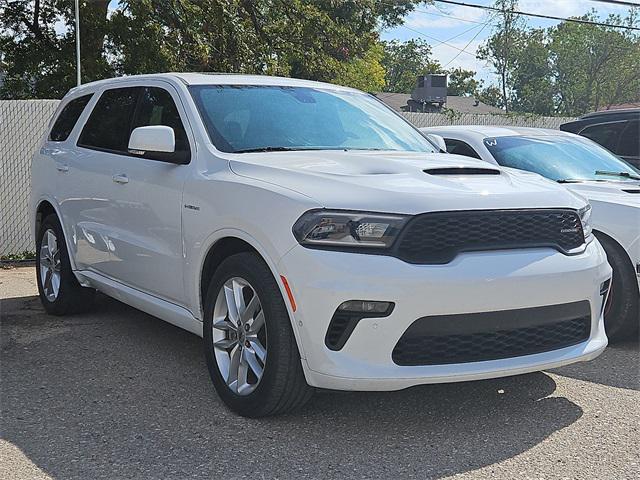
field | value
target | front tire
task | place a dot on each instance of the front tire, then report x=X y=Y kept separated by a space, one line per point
x=622 y=312
x=250 y=348
x=60 y=292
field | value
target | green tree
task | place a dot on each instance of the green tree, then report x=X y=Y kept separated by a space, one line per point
x=404 y=62
x=365 y=73
x=595 y=66
x=491 y=95
x=532 y=87
x=501 y=48
x=463 y=82
x=39 y=62
x=304 y=38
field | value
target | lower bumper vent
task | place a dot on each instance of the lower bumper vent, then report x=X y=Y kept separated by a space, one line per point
x=450 y=339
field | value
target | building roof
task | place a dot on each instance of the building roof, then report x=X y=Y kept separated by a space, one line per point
x=620 y=106
x=398 y=101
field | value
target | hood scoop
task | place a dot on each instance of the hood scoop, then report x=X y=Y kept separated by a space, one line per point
x=632 y=191
x=461 y=171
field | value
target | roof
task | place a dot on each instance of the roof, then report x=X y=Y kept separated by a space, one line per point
x=621 y=106
x=398 y=102
x=217 y=79
x=605 y=116
x=493 y=131
x=613 y=111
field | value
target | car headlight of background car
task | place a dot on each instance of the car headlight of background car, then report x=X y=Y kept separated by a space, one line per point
x=585 y=219
x=348 y=230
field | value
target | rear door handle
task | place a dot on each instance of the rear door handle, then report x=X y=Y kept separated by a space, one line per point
x=121 y=178
x=62 y=167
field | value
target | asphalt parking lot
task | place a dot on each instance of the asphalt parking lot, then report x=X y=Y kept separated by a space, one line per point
x=119 y=394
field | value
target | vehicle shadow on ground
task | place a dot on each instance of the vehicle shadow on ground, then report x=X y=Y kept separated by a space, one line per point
x=120 y=394
x=618 y=366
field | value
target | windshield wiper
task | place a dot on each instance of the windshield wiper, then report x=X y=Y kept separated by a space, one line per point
x=570 y=180
x=274 y=149
x=618 y=174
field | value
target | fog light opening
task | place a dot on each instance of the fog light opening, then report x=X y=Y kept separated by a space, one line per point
x=364 y=306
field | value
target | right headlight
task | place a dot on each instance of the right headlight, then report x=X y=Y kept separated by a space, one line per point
x=348 y=230
x=585 y=219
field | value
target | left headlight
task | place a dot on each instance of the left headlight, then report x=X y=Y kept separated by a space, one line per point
x=585 y=219
x=347 y=230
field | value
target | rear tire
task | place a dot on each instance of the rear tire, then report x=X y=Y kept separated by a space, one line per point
x=276 y=383
x=60 y=292
x=622 y=313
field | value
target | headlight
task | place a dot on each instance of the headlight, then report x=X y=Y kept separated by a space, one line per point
x=585 y=219
x=341 y=229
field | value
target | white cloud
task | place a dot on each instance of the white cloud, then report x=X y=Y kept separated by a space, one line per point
x=568 y=8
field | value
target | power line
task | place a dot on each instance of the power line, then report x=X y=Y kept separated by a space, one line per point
x=441 y=14
x=526 y=14
x=464 y=49
x=441 y=42
x=619 y=2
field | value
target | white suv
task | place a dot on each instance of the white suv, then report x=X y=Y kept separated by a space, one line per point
x=311 y=236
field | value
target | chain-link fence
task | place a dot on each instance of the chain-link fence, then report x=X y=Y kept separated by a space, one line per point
x=439 y=119
x=23 y=122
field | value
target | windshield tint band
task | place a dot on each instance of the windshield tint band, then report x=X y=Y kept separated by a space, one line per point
x=277 y=118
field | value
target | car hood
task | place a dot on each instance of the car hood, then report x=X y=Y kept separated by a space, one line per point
x=397 y=181
x=624 y=192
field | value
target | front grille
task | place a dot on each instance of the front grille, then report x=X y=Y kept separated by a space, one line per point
x=450 y=339
x=437 y=238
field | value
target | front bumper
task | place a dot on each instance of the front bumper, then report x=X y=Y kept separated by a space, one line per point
x=473 y=282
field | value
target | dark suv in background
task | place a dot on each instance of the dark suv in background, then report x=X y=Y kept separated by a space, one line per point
x=616 y=130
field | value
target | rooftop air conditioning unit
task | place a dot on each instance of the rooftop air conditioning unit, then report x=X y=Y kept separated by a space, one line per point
x=430 y=89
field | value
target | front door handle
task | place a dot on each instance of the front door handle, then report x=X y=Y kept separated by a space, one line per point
x=121 y=178
x=62 y=167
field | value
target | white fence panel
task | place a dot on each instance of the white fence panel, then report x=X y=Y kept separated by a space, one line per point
x=440 y=119
x=22 y=124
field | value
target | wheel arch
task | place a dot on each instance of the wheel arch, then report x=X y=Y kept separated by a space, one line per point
x=600 y=234
x=44 y=207
x=229 y=242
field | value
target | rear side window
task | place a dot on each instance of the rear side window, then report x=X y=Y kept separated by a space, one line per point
x=158 y=108
x=606 y=134
x=68 y=118
x=629 y=145
x=109 y=125
x=459 y=147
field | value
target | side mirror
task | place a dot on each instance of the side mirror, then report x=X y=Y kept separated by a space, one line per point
x=154 y=138
x=438 y=140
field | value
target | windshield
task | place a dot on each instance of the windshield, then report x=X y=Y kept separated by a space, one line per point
x=252 y=118
x=559 y=157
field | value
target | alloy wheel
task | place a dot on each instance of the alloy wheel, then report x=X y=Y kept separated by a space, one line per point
x=50 y=265
x=239 y=336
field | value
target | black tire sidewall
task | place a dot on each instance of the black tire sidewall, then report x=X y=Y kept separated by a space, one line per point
x=623 y=317
x=280 y=339
x=71 y=296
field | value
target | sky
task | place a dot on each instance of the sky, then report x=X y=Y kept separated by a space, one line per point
x=464 y=27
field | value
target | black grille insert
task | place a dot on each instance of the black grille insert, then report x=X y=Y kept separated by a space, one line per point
x=437 y=238
x=344 y=322
x=476 y=337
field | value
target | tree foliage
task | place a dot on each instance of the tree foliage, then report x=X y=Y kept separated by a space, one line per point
x=314 y=39
x=502 y=47
x=568 y=69
x=404 y=62
x=463 y=82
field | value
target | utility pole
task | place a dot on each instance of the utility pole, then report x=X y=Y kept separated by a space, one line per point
x=79 y=81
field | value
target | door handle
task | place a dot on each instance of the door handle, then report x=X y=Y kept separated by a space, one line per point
x=62 y=167
x=121 y=178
